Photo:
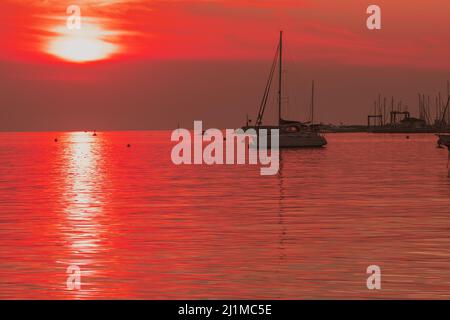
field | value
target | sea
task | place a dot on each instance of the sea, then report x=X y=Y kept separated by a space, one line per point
x=113 y=214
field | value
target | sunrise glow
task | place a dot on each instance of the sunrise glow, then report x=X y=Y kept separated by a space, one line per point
x=90 y=43
x=224 y=158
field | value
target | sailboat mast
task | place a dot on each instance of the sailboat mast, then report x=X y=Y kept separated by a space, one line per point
x=280 y=81
x=312 y=104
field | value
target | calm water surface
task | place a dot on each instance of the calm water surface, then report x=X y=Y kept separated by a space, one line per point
x=140 y=227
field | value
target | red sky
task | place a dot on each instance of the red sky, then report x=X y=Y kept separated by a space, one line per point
x=208 y=60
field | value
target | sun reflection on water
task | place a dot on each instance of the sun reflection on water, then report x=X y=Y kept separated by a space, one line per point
x=83 y=203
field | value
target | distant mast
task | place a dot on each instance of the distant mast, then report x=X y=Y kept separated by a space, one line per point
x=312 y=104
x=280 y=78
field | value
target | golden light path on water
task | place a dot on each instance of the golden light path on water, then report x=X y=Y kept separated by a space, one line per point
x=89 y=43
x=83 y=206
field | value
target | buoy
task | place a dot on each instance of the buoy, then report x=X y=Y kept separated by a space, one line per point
x=407 y=137
x=128 y=145
x=56 y=140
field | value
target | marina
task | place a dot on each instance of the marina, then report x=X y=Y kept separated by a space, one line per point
x=402 y=121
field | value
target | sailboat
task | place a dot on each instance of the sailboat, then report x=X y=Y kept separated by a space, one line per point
x=293 y=134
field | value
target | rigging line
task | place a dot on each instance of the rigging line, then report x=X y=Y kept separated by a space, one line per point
x=267 y=89
x=446 y=109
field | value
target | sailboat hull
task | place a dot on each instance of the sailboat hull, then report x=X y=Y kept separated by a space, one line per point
x=298 y=140
x=302 y=140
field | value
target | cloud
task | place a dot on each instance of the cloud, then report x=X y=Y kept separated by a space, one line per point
x=246 y=29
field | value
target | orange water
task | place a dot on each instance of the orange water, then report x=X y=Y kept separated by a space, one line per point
x=140 y=227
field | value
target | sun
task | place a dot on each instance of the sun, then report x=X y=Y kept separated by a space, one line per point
x=84 y=45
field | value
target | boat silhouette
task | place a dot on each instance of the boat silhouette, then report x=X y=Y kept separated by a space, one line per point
x=292 y=134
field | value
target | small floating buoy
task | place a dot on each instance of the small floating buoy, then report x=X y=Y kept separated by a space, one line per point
x=56 y=140
x=407 y=137
x=128 y=145
x=95 y=134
